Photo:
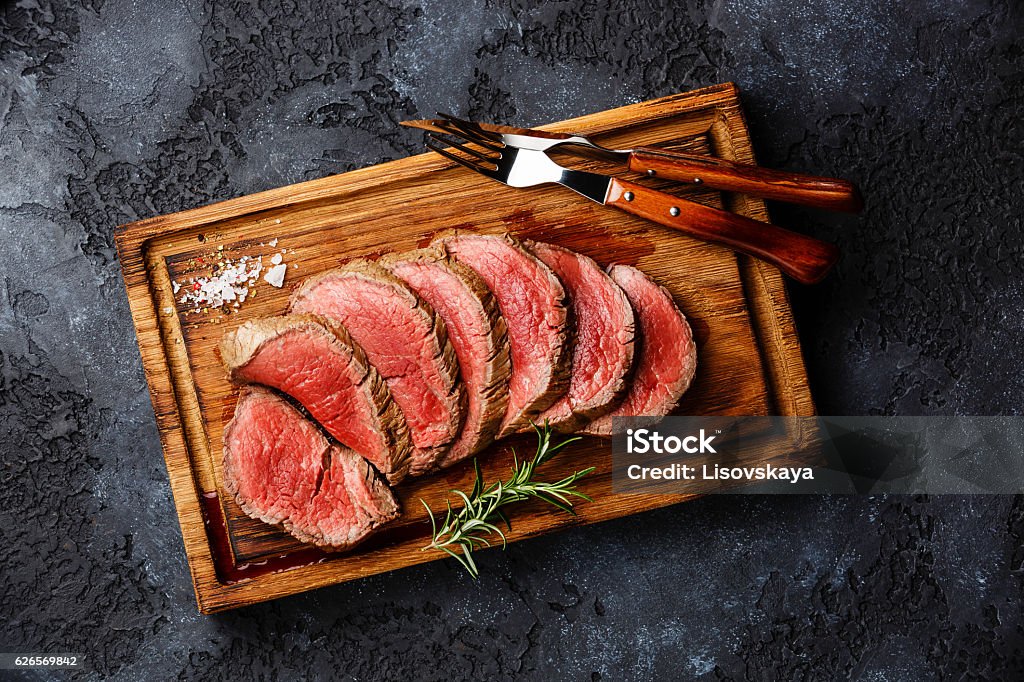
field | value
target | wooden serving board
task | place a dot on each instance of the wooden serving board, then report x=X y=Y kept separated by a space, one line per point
x=749 y=355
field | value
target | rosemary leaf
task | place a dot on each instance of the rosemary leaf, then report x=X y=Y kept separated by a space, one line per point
x=470 y=527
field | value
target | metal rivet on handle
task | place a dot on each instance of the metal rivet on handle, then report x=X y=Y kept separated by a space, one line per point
x=651 y=172
x=674 y=211
x=628 y=196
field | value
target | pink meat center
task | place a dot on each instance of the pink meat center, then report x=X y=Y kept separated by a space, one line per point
x=317 y=371
x=664 y=334
x=396 y=339
x=467 y=332
x=524 y=294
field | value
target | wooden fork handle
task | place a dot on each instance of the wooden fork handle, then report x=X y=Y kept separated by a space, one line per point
x=805 y=259
x=832 y=194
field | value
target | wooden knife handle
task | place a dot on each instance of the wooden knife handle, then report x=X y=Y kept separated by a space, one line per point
x=808 y=190
x=805 y=259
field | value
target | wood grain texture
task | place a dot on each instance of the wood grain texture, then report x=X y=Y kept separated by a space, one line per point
x=749 y=354
x=805 y=259
x=833 y=194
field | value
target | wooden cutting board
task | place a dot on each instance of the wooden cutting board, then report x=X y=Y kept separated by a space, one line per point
x=749 y=355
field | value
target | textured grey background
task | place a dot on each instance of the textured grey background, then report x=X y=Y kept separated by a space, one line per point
x=116 y=110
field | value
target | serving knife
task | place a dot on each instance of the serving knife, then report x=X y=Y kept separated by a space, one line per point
x=805 y=259
x=796 y=188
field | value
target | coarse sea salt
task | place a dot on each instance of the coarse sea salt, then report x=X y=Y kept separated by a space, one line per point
x=229 y=283
x=275 y=275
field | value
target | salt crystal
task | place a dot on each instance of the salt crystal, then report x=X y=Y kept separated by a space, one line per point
x=226 y=285
x=277 y=258
x=275 y=275
x=273 y=242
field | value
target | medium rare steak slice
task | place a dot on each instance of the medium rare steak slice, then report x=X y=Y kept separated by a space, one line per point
x=533 y=303
x=315 y=361
x=282 y=470
x=603 y=329
x=477 y=333
x=667 y=356
x=407 y=343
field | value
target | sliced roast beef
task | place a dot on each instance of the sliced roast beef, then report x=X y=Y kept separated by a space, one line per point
x=315 y=361
x=477 y=334
x=667 y=356
x=282 y=470
x=533 y=303
x=404 y=340
x=603 y=331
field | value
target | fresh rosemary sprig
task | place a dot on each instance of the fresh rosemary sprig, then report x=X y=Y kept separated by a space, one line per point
x=468 y=529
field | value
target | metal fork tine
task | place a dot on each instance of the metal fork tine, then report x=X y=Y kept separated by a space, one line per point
x=485 y=144
x=473 y=132
x=462 y=148
x=493 y=147
x=455 y=131
x=470 y=126
x=459 y=160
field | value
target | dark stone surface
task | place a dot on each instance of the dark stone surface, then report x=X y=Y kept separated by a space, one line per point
x=113 y=110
